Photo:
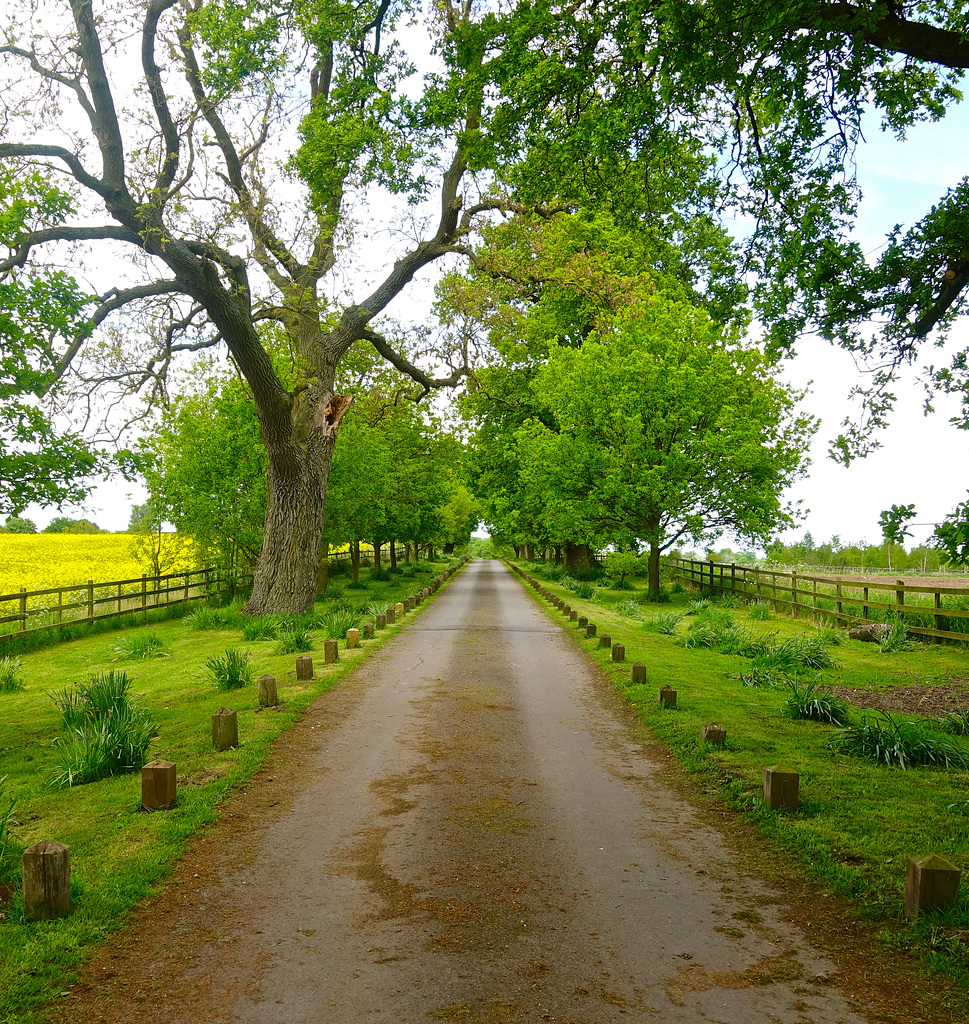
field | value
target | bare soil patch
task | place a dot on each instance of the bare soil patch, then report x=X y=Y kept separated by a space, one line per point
x=931 y=701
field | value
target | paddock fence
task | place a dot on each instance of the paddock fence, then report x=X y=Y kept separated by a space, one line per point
x=937 y=608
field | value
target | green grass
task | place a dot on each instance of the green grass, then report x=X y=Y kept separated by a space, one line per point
x=860 y=820
x=119 y=855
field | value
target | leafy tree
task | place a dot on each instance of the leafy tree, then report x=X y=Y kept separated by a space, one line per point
x=892 y=522
x=17 y=524
x=952 y=535
x=59 y=524
x=83 y=526
x=182 y=167
x=666 y=432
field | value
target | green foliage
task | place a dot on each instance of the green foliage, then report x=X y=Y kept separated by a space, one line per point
x=261 y=627
x=7 y=804
x=814 y=700
x=763 y=673
x=900 y=743
x=17 y=524
x=294 y=637
x=207 y=617
x=104 y=733
x=666 y=624
x=760 y=610
x=11 y=673
x=896 y=639
x=139 y=647
x=337 y=621
x=956 y=722
x=230 y=670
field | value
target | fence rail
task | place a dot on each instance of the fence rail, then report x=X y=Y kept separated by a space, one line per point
x=88 y=602
x=932 y=610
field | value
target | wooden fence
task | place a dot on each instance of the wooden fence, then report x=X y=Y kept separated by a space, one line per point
x=88 y=602
x=935 y=610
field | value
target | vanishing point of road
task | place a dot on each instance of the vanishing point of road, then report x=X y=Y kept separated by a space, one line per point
x=465 y=830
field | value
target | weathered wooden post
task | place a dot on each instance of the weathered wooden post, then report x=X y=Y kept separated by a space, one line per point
x=225 y=729
x=781 y=788
x=930 y=881
x=47 y=880
x=605 y=640
x=667 y=696
x=638 y=673
x=573 y=615
x=353 y=638
x=590 y=630
x=391 y=615
x=399 y=608
x=583 y=621
x=618 y=652
x=331 y=651
x=368 y=630
x=266 y=688
x=381 y=620
x=304 y=667
x=158 y=782
x=714 y=734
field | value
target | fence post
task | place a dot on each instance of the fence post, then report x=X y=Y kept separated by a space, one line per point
x=837 y=592
x=864 y=607
x=794 y=595
x=60 y=606
x=733 y=579
x=119 y=598
x=144 y=594
x=23 y=609
x=941 y=621
x=900 y=593
x=90 y=599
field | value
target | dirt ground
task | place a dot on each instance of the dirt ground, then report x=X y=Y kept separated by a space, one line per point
x=470 y=829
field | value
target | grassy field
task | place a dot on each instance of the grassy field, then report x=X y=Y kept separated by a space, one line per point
x=119 y=854
x=859 y=821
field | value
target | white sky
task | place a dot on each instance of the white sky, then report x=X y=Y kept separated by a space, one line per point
x=920 y=457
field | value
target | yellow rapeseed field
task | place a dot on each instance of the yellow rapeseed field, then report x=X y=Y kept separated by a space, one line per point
x=38 y=561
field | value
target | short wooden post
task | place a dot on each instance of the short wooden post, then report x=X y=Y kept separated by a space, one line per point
x=330 y=651
x=47 y=880
x=605 y=640
x=794 y=595
x=583 y=621
x=353 y=638
x=714 y=734
x=590 y=629
x=566 y=609
x=158 y=782
x=391 y=615
x=638 y=673
x=667 y=697
x=368 y=630
x=381 y=620
x=225 y=729
x=266 y=688
x=304 y=667
x=930 y=881
x=399 y=608
x=573 y=615
x=618 y=652
x=781 y=788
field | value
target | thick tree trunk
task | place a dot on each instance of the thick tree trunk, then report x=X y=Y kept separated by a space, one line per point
x=323 y=573
x=653 y=569
x=377 y=545
x=393 y=554
x=558 y=554
x=449 y=548
x=578 y=558
x=355 y=560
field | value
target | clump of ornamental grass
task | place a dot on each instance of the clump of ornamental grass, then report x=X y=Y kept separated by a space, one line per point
x=11 y=674
x=139 y=647
x=760 y=610
x=261 y=627
x=802 y=651
x=337 y=621
x=206 y=617
x=295 y=637
x=956 y=723
x=230 y=670
x=896 y=640
x=7 y=804
x=899 y=743
x=698 y=606
x=665 y=624
x=630 y=609
x=815 y=701
x=104 y=731
x=763 y=674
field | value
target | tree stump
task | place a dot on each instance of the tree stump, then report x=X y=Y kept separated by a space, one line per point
x=266 y=688
x=225 y=729
x=605 y=640
x=930 y=881
x=47 y=880
x=781 y=788
x=158 y=782
x=667 y=697
x=353 y=638
x=618 y=652
x=382 y=621
x=330 y=651
x=638 y=673
x=715 y=734
x=304 y=667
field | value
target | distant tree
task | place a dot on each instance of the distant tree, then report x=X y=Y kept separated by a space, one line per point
x=16 y=524
x=892 y=522
x=83 y=526
x=138 y=513
x=59 y=524
x=952 y=535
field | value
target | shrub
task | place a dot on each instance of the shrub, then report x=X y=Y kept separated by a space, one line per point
x=382 y=575
x=262 y=627
x=337 y=621
x=294 y=637
x=205 y=617
x=728 y=601
x=760 y=610
x=896 y=639
x=11 y=674
x=106 y=733
x=899 y=743
x=139 y=647
x=357 y=585
x=231 y=670
x=816 y=702
x=665 y=624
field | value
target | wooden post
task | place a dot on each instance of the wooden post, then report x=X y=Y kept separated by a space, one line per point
x=583 y=621
x=304 y=667
x=713 y=734
x=158 y=782
x=47 y=880
x=864 y=607
x=638 y=673
x=781 y=788
x=225 y=729
x=368 y=630
x=381 y=620
x=667 y=697
x=573 y=615
x=353 y=638
x=391 y=615
x=618 y=652
x=266 y=688
x=900 y=593
x=144 y=595
x=839 y=618
x=605 y=640
x=930 y=881
x=794 y=595
x=941 y=621
x=331 y=652
x=23 y=608
x=90 y=599
x=399 y=609
x=590 y=630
